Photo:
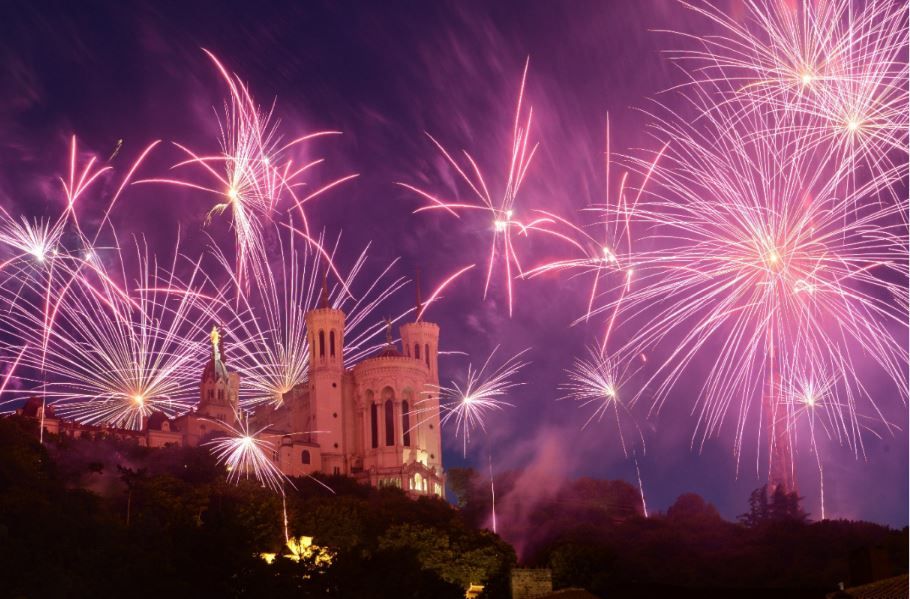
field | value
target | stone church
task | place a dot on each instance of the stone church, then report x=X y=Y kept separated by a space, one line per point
x=377 y=422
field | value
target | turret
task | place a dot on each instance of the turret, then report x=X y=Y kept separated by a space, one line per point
x=420 y=340
x=325 y=332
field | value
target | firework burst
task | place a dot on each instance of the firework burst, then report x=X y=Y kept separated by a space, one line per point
x=505 y=221
x=760 y=250
x=123 y=346
x=275 y=355
x=250 y=175
x=249 y=453
x=597 y=381
x=833 y=71
x=469 y=404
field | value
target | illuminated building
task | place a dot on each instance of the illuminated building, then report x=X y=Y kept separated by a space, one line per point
x=377 y=422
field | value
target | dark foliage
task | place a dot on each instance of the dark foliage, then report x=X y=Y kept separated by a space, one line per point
x=103 y=517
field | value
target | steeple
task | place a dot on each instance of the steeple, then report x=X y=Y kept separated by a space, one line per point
x=215 y=369
x=218 y=389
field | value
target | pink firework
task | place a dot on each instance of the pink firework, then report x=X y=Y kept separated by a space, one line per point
x=469 y=404
x=833 y=71
x=505 y=221
x=274 y=355
x=250 y=176
x=599 y=383
x=123 y=345
x=602 y=249
x=759 y=258
x=247 y=453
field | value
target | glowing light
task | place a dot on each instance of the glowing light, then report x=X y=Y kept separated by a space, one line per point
x=502 y=249
x=594 y=380
x=468 y=405
x=246 y=453
x=111 y=352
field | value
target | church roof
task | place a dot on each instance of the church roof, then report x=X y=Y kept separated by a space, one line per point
x=389 y=351
x=156 y=420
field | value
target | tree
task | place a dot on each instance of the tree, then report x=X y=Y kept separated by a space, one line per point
x=691 y=506
x=782 y=507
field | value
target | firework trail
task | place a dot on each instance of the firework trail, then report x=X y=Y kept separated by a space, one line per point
x=834 y=71
x=605 y=254
x=468 y=405
x=503 y=213
x=641 y=487
x=250 y=175
x=274 y=358
x=597 y=381
x=39 y=257
x=762 y=254
x=435 y=295
x=492 y=492
x=124 y=345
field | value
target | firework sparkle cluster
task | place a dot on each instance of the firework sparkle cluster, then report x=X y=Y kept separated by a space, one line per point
x=758 y=239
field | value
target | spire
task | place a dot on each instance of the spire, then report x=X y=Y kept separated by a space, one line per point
x=388 y=331
x=215 y=337
x=419 y=299
x=324 y=300
x=215 y=369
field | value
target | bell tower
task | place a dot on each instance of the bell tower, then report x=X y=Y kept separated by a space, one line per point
x=325 y=333
x=420 y=340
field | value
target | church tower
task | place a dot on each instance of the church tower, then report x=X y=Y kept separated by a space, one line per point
x=420 y=340
x=218 y=397
x=325 y=331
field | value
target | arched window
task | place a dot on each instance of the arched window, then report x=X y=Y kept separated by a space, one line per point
x=406 y=424
x=321 y=344
x=332 y=343
x=389 y=423
x=417 y=350
x=374 y=425
x=211 y=394
x=426 y=353
x=305 y=456
x=220 y=394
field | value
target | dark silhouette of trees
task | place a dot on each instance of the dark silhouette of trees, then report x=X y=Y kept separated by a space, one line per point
x=781 y=507
x=63 y=532
x=102 y=517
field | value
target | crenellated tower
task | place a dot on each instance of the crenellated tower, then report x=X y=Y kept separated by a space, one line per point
x=325 y=331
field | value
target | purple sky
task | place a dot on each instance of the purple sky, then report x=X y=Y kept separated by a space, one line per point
x=383 y=73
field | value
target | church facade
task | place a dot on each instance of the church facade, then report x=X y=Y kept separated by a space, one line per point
x=377 y=422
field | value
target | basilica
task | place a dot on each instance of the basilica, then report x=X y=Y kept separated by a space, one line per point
x=377 y=422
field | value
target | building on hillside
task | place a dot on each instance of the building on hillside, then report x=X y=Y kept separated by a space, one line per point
x=360 y=421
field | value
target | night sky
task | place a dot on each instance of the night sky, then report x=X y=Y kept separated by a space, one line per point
x=385 y=73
